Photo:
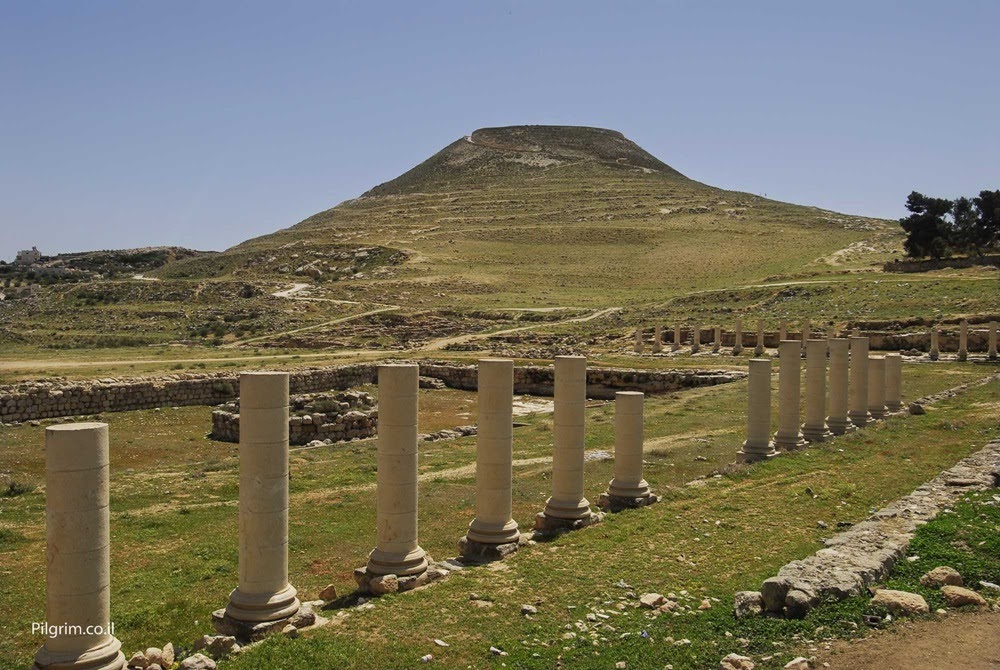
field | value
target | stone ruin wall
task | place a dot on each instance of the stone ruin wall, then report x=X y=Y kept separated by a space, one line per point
x=45 y=400
x=349 y=415
x=881 y=341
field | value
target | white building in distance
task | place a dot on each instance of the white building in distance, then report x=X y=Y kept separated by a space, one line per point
x=28 y=256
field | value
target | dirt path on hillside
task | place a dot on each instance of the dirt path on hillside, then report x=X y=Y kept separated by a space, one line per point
x=437 y=345
x=954 y=642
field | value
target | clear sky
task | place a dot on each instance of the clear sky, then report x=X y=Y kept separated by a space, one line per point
x=202 y=124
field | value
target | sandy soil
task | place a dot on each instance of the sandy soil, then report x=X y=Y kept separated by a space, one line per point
x=954 y=642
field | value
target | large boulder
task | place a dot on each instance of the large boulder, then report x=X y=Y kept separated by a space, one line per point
x=941 y=576
x=901 y=603
x=748 y=603
x=956 y=596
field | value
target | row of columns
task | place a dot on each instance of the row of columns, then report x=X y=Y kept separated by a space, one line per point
x=862 y=388
x=77 y=503
x=963 y=339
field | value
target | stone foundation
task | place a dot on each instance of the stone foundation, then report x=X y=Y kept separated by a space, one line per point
x=612 y=503
x=482 y=552
x=551 y=525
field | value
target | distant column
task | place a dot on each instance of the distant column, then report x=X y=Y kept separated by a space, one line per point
x=963 y=340
x=397 y=551
x=759 y=349
x=782 y=332
x=677 y=338
x=893 y=382
x=876 y=387
x=657 y=338
x=856 y=332
x=935 y=352
x=493 y=533
x=638 y=341
x=837 y=421
x=717 y=343
x=567 y=507
x=806 y=334
x=758 y=443
x=858 y=411
x=263 y=593
x=738 y=343
x=993 y=341
x=695 y=338
x=78 y=549
x=814 y=429
x=628 y=489
x=789 y=434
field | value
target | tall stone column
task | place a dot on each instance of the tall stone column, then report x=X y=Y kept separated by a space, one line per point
x=78 y=549
x=695 y=339
x=789 y=435
x=992 y=354
x=758 y=445
x=876 y=387
x=397 y=551
x=858 y=408
x=782 y=332
x=963 y=340
x=717 y=342
x=738 y=343
x=677 y=338
x=638 y=341
x=759 y=349
x=493 y=533
x=806 y=334
x=263 y=594
x=837 y=421
x=567 y=507
x=628 y=489
x=814 y=429
x=893 y=382
x=935 y=352
x=657 y=338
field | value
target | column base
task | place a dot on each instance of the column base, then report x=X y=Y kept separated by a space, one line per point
x=108 y=656
x=859 y=419
x=395 y=563
x=378 y=584
x=737 y=351
x=252 y=631
x=613 y=503
x=878 y=414
x=758 y=351
x=840 y=426
x=548 y=525
x=255 y=608
x=791 y=443
x=934 y=355
x=744 y=456
x=572 y=511
x=675 y=347
x=485 y=552
x=493 y=533
x=992 y=356
x=694 y=350
x=817 y=434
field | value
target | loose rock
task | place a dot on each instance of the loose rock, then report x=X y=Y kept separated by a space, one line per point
x=901 y=603
x=736 y=662
x=941 y=576
x=956 y=596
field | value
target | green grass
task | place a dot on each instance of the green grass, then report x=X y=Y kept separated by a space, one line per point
x=174 y=550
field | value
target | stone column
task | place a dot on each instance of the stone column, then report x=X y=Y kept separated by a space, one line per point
x=856 y=332
x=758 y=445
x=876 y=387
x=738 y=343
x=992 y=354
x=638 y=341
x=717 y=342
x=628 y=489
x=567 y=507
x=397 y=551
x=893 y=382
x=759 y=349
x=806 y=334
x=837 y=421
x=814 y=429
x=677 y=338
x=78 y=549
x=789 y=435
x=963 y=340
x=695 y=339
x=858 y=408
x=493 y=533
x=935 y=352
x=263 y=594
x=782 y=332
x=657 y=338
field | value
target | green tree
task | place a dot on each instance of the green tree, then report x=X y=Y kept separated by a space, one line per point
x=988 y=226
x=927 y=229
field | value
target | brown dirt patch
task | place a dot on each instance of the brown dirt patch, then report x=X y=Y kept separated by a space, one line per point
x=953 y=642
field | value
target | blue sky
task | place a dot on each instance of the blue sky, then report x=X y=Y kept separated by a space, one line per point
x=126 y=124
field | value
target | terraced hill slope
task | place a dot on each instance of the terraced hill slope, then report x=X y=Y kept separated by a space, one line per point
x=529 y=216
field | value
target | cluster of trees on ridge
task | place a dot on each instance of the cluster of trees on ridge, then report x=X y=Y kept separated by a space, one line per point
x=938 y=227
